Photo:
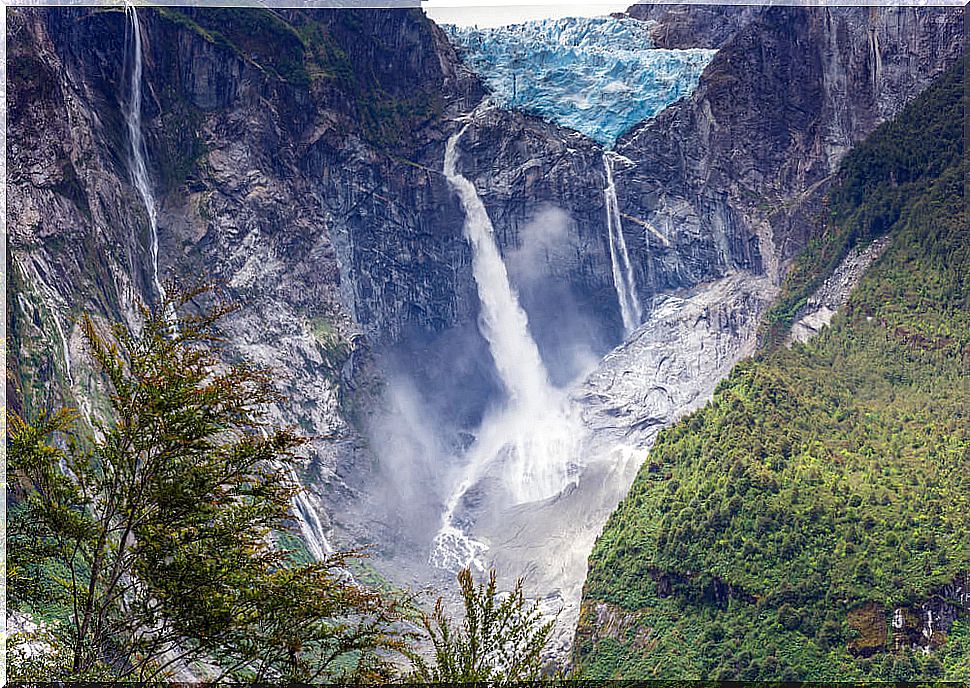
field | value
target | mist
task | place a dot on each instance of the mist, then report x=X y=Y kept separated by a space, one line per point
x=571 y=338
x=447 y=430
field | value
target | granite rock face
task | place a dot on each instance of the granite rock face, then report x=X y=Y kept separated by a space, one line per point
x=732 y=175
x=255 y=180
x=693 y=25
x=263 y=182
x=822 y=306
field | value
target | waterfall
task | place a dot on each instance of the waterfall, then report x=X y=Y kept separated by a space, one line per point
x=623 y=280
x=533 y=438
x=312 y=530
x=50 y=298
x=305 y=514
x=310 y=526
x=503 y=322
x=139 y=169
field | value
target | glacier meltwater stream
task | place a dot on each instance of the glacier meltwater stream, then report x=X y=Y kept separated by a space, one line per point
x=623 y=278
x=599 y=76
x=139 y=169
x=534 y=436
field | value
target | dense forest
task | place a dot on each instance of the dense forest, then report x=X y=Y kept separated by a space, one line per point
x=803 y=523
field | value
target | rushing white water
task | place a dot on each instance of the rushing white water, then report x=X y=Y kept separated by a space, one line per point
x=312 y=530
x=310 y=526
x=531 y=441
x=623 y=279
x=503 y=322
x=139 y=169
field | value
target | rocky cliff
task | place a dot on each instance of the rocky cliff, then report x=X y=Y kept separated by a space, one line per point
x=694 y=25
x=276 y=149
x=735 y=170
x=717 y=193
x=783 y=531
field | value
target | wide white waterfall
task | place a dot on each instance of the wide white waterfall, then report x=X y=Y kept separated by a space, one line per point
x=503 y=322
x=530 y=442
x=623 y=279
x=137 y=165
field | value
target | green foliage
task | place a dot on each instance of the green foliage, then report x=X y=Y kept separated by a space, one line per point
x=315 y=50
x=258 y=36
x=826 y=476
x=500 y=641
x=37 y=654
x=155 y=532
x=955 y=665
x=32 y=546
x=334 y=348
x=875 y=182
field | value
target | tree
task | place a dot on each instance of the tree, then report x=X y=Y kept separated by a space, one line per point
x=499 y=642
x=157 y=528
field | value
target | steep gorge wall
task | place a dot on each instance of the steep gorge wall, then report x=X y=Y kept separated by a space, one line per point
x=689 y=619
x=249 y=147
x=733 y=175
x=329 y=172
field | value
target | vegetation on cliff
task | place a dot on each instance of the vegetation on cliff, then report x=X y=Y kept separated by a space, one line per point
x=877 y=181
x=153 y=543
x=797 y=525
x=500 y=641
x=321 y=50
x=151 y=537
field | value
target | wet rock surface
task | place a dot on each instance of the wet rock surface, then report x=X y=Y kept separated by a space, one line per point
x=669 y=367
x=924 y=626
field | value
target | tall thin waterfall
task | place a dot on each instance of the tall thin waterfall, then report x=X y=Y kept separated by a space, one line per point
x=51 y=299
x=503 y=322
x=305 y=514
x=311 y=528
x=532 y=439
x=623 y=280
x=139 y=169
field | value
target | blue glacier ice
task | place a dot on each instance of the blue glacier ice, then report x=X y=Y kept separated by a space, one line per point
x=597 y=75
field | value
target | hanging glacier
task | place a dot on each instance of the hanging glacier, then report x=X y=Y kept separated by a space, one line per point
x=597 y=75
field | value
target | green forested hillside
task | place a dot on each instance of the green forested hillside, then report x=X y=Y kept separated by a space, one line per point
x=825 y=490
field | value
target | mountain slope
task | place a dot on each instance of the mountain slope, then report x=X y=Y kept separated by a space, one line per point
x=739 y=167
x=275 y=153
x=810 y=522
